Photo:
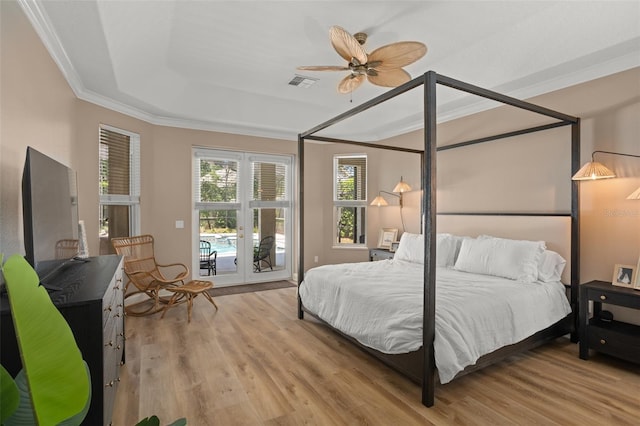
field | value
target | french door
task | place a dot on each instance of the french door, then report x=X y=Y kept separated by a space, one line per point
x=242 y=216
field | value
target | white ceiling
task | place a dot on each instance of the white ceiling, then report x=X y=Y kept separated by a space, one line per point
x=225 y=65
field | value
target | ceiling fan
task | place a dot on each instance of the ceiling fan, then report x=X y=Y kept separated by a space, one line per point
x=382 y=67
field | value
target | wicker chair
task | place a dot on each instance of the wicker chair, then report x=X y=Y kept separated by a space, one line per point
x=145 y=274
x=66 y=249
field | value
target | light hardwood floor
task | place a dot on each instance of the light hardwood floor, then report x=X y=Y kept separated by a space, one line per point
x=254 y=363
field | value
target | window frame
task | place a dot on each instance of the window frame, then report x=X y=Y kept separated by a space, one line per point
x=338 y=204
x=133 y=199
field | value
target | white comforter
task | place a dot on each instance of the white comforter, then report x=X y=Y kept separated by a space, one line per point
x=380 y=305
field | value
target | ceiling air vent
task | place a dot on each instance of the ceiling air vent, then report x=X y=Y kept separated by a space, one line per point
x=302 y=81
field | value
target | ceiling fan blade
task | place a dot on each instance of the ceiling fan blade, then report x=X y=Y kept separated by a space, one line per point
x=350 y=83
x=389 y=78
x=323 y=68
x=346 y=45
x=397 y=55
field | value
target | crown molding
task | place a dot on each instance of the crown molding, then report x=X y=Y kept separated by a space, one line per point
x=620 y=58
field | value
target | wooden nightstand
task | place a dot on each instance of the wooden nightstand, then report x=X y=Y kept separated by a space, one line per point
x=614 y=338
x=380 y=254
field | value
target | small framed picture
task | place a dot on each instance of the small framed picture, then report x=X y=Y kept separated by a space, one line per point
x=394 y=246
x=386 y=237
x=624 y=275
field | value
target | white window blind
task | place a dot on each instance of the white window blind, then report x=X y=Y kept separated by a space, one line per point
x=351 y=178
x=119 y=168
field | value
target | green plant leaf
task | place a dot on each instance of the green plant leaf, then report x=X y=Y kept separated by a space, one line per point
x=9 y=395
x=155 y=421
x=149 y=421
x=56 y=374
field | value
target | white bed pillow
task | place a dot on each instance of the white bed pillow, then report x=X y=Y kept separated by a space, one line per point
x=448 y=247
x=550 y=266
x=411 y=249
x=514 y=259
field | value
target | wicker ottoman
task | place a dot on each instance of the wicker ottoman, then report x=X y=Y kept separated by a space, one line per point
x=189 y=291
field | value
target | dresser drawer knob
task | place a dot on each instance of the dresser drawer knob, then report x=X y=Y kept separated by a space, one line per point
x=603 y=297
x=108 y=385
x=110 y=343
x=603 y=342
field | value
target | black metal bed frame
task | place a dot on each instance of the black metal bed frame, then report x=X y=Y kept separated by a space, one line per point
x=430 y=80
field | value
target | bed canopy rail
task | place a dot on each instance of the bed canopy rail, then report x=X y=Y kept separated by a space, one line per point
x=429 y=81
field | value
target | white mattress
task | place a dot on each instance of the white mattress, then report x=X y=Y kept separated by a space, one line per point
x=380 y=305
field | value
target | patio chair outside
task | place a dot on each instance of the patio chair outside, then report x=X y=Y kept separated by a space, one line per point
x=208 y=257
x=262 y=253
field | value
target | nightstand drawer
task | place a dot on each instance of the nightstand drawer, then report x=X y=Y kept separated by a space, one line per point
x=615 y=338
x=614 y=298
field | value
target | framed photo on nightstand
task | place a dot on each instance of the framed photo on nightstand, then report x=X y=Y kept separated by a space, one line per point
x=386 y=237
x=624 y=275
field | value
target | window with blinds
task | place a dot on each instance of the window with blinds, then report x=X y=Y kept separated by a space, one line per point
x=350 y=199
x=118 y=185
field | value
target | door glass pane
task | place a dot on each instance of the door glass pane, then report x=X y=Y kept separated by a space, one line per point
x=220 y=229
x=218 y=180
x=269 y=181
x=268 y=240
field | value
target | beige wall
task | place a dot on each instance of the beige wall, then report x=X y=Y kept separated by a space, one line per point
x=39 y=109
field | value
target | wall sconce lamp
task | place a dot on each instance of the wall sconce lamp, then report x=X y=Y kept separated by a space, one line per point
x=401 y=187
x=594 y=170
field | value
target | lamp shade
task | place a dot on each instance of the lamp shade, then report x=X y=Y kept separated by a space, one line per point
x=635 y=195
x=402 y=186
x=593 y=170
x=379 y=201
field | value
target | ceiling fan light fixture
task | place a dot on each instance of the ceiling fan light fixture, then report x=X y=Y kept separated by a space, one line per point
x=383 y=67
x=360 y=37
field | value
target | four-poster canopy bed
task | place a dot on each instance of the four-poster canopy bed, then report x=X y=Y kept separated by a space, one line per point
x=420 y=365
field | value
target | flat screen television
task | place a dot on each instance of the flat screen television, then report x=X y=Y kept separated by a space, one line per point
x=50 y=214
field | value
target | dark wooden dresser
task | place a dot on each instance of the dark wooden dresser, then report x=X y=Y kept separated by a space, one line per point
x=91 y=300
x=616 y=338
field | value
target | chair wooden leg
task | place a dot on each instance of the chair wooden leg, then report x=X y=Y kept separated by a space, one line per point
x=170 y=304
x=210 y=299
x=189 y=306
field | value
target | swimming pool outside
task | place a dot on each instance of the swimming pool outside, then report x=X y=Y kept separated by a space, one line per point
x=225 y=244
